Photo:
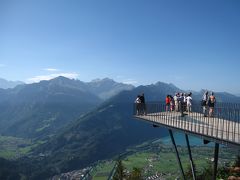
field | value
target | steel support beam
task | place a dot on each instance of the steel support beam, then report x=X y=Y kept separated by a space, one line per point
x=215 y=161
x=177 y=154
x=190 y=157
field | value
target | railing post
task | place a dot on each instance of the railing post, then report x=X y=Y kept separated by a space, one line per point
x=234 y=131
x=228 y=129
x=217 y=126
x=222 y=127
x=237 y=120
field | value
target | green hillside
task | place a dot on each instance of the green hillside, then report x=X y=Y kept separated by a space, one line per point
x=158 y=158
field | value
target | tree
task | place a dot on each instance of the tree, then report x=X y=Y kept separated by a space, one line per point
x=136 y=174
x=223 y=172
x=237 y=162
x=188 y=172
x=207 y=172
x=119 y=174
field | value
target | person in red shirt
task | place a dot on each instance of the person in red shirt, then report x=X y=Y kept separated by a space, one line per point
x=168 y=100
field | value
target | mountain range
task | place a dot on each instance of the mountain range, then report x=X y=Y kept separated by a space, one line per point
x=41 y=109
x=5 y=84
x=83 y=122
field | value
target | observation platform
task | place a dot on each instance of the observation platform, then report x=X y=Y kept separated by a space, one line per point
x=222 y=128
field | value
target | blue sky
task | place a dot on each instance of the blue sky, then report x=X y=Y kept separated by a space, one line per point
x=192 y=44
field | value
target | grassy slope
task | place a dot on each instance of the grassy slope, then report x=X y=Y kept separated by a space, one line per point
x=162 y=159
x=13 y=148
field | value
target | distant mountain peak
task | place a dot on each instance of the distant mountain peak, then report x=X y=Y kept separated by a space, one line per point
x=96 y=80
x=60 y=78
x=106 y=87
x=163 y=83
x=63 y=80
x=107 y=79
x=102 y=80
x=5 y=84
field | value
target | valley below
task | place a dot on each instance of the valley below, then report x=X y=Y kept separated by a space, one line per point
x=157 y=160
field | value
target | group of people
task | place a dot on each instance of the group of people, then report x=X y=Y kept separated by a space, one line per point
x=208 y=102
x=179 y=102
x=140 y=104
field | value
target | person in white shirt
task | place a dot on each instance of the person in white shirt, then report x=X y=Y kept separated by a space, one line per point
x=137 y=104
x=189 y=102
x=176 y=102
x=204 y=103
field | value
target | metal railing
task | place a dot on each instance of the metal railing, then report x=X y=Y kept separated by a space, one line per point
x=223 y=124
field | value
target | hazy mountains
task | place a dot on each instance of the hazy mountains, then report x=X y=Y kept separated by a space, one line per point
x=108 y=130
x=104 y=132
x=106 y=88
x=5 y=84
x=82 y=127
x=41 y=109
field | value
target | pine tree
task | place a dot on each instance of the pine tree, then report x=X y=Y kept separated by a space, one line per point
x=136 y=174
x=119 y=174
x=188 y=172
x=237 y=162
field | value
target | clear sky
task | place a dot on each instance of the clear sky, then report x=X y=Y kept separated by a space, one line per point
x=192 y=44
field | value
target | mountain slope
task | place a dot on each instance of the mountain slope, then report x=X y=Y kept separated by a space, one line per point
x=103 y=133
x=41 y=109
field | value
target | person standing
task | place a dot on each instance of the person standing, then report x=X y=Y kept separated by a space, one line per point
x=211 y=103
x=143 y=105
x=176 y=101
x=189 y=102
x=204 y=103
x=180 y=103
x=167 y=100
x=171 y=103
x=138 y=104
